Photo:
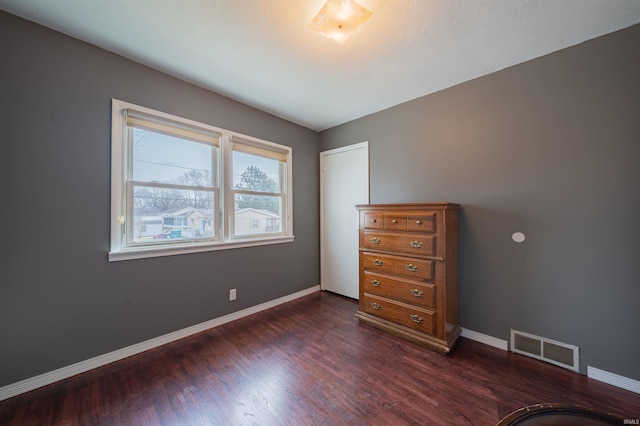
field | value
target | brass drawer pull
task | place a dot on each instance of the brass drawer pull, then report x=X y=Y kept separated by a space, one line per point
x=375 y=283
x=416 y=244
x=416 y=292
x=374 y=220
x=376 y=306
x=375 y=240
x=377 y=262
x=411 y=268
x=418 y=222
x=417 y=319
x=394 y=221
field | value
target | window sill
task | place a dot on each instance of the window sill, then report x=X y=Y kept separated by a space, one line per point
x=147 y=252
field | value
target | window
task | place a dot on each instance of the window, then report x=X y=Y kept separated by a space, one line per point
x=179 y=186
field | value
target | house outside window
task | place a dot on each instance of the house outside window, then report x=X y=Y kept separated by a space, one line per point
x=170 y=195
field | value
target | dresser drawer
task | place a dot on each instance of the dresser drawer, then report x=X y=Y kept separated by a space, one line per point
x=422 y=222
x=420 y=244
x=413 y=292
x=415 y=269
x=409 y=267
x=373 y=221
x=416 y=318
x=395 y=221
x=377 y=262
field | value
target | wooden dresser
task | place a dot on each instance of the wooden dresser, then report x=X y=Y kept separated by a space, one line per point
x=409 y=271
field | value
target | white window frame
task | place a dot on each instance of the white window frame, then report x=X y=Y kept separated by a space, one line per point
x=262 y=149
x=223 y=238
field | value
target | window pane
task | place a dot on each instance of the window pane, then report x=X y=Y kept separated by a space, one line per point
x=170 y=214
x=257 y=214
x=255 y=173
x=169 y=159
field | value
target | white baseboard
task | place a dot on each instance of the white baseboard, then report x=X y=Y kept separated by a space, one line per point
x=613 y=379
x=101 y=360
x=592 y=373
x=487 y=340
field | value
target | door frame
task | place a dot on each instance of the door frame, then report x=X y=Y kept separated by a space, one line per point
x=323 y=155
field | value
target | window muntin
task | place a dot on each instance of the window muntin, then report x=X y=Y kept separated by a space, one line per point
x=167 y=187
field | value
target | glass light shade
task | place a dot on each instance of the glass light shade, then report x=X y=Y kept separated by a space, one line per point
x=338 y=19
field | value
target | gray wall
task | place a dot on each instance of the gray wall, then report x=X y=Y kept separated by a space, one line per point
x=550 y=148
x=60 y=300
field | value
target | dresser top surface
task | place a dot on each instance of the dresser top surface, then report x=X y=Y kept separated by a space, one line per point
x=435 y=205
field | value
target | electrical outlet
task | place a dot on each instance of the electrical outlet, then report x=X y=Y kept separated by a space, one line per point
x=232 y=294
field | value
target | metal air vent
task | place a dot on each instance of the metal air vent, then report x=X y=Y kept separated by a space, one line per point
x=557 y=353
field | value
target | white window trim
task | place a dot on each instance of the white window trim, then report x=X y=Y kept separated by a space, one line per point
x=229 y=197
x=226 y=240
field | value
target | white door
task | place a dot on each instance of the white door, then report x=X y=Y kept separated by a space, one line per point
x=344 y=182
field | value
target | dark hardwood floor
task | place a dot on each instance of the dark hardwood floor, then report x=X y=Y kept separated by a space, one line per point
x=309 y=362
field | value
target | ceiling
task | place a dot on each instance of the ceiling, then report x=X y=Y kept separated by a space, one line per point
x=263 y=53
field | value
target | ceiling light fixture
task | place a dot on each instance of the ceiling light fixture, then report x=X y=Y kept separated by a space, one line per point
x=338 y=19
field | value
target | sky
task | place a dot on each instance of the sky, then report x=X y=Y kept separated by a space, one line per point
x=163 y=158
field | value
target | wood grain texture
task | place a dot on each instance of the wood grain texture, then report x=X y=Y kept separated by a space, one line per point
x=310 y=362
x=402 y=249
